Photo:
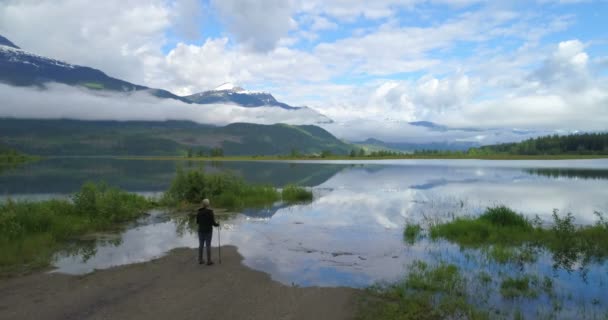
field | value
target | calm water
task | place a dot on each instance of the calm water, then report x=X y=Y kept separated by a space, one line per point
x=352 y=233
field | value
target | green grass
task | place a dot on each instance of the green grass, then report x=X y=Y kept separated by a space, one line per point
x=294 y=194
x=223 y=190
x=498 y=225
x=411 y=233
x=426 y=293
x=502 y=227
x=31 y=232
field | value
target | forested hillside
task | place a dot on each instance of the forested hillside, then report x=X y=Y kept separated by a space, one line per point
x=169 y=138
x=583 y=144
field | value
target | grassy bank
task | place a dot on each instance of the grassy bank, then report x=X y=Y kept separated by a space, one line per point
x=31 y=232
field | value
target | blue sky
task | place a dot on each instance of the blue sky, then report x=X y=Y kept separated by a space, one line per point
x=535 y=65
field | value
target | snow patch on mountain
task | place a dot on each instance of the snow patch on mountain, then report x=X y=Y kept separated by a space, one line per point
x=15 y=54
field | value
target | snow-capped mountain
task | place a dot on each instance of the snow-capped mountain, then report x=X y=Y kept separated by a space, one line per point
x=228 y=93
x=5 y=42
x=19 y=67
x=22 y=68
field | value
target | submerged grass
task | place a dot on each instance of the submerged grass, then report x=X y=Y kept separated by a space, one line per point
x=519 y=287
x=411 y=233
x=427 y=292
x=30 y=232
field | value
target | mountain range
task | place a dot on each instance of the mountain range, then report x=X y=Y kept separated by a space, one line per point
x=19 y=67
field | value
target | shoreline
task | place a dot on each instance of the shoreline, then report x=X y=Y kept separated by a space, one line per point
x=304 y=159
x=172 y=286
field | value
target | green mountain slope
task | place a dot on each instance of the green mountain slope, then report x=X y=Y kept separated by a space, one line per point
x=86 y=138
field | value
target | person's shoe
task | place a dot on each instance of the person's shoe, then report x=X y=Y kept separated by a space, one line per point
x=201 y=262
x=210 y=263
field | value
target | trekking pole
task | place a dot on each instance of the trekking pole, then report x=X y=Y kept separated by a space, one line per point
x=219 y=244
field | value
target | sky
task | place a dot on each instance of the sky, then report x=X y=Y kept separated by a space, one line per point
x=482 y=68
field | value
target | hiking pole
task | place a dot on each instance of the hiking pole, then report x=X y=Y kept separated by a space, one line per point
x=219 y=244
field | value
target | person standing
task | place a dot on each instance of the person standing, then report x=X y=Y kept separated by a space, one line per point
x=205 y=218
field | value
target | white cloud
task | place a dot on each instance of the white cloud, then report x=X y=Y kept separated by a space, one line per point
x=322 y=23
x=196 y=68
x=112 y=35
x=66 y=102
x=259 y=24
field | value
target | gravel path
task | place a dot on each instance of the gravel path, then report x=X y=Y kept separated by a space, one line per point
x=172 y=287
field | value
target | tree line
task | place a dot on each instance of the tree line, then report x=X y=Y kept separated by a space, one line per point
x=581 y=143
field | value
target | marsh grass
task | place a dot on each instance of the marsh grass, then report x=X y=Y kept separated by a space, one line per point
x=31 y=232
x=501 y=226
x=294 y=194
x=427 y=292
x=411 y=233
x=524 y=286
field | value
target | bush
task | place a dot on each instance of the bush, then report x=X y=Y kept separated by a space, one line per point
x=223 y=189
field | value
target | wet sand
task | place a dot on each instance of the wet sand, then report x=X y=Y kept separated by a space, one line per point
x=172 y=287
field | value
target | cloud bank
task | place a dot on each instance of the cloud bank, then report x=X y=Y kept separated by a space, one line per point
x=66 y=102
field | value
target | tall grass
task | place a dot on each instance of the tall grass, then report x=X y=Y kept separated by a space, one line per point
x=292 y=193
x=223 y=189
x=30 y=232
x=569 y=243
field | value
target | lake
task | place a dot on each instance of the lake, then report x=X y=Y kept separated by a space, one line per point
x=351 y=234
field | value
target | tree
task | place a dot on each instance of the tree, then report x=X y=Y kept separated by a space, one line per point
x=353 y=153
x=325 y=153
x=361 y=152
x=217 y=152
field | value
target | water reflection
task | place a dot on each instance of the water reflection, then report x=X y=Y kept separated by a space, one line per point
x=352 y=233
x=60 y=176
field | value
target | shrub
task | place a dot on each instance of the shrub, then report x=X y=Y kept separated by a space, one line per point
x=223 y=189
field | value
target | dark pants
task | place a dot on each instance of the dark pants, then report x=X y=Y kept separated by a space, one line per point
x=204 y=239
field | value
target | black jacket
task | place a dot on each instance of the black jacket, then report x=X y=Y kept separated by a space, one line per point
x=206 y=220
